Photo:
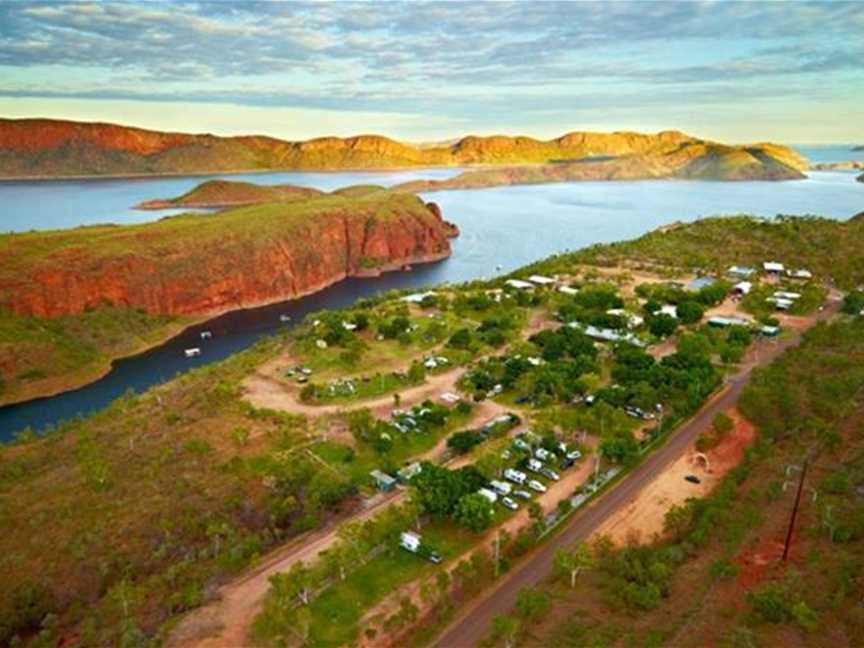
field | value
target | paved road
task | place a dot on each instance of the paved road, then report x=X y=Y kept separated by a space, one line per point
x=473 y=624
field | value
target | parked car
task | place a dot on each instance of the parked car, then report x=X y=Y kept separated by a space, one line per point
x=502 y=488
x=574 y=455
x=509 y=503
x=550 y=474
x=519 y=443
x=534 y=465
x=522 y=494
x=536 y=486
x=542 y=454
x=566 y=463
x=693 y=479
x=515 y=476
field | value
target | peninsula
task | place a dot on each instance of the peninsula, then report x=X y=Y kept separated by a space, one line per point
x=44 y=148
x=73 y=300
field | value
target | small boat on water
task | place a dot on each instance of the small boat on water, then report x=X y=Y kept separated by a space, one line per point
x=206 y=335
x=193 y=352
x=284 y=318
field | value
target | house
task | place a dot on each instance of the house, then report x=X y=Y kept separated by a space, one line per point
x=384 y=482
x=741 y=272
x=518 y=284
x=773 y=267
x=801 y=273
x=699 y=283
x=607 y=335
x=416 y=298
x=568 y=290
x=725 y=322
x=742 y=288
x=349 y=326
x=540 y=280
x=669 y=309
x=450 y=398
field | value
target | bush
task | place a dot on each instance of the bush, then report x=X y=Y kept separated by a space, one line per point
x=690 y=312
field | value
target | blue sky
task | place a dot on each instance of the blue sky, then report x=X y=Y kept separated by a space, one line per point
x=422 y=71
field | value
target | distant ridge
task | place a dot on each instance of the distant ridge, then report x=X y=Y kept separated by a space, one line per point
x=44 y=148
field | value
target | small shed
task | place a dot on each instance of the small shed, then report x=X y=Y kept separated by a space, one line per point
x=519 y=284
x=406 y=474
x=801 y=273
x=742 y=272
x=416 y=298
x=742 y=288
x=384 y=482
x=540 y=280
x=568 y=290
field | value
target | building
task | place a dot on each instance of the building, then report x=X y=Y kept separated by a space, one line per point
x=780 y=303
x=741 y=272
x=568 y=290
x=773 y=267
x=801 y=273
x=633 y=320
x=670 y=310
x=742 y=288
x=416 y=298
x=540 y=280
x=608 y=335
x=699 y=283
x=725 y=322
x=770 y=331
x=384 y=482
x=519 y=284
x=782 y=294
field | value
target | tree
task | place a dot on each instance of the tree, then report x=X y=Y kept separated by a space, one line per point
x=535 y=512
x=506 y=628
x=461 y=339
x=462 y=442
x=531 y=604
x=690 y=312
x=570 y=563
x=474 y=512
x=662 y=325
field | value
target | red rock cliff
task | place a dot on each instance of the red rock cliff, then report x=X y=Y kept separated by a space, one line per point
x=195 y=265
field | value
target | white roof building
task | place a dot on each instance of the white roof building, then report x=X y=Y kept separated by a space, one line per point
x=743 y=287
x=633 y=320
x=416 y=298
x=801 y=273
x=568 y=290
x=519 y=284
x=741 y=271
x=540 y=280
x=782 y=294
x=669 y=309
x=773 y=266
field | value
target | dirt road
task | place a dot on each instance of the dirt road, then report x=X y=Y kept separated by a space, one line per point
x=470 y=627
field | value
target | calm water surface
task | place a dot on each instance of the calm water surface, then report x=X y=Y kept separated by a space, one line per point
x=506 y=227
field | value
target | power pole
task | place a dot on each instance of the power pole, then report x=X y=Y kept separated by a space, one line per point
x=795 y=510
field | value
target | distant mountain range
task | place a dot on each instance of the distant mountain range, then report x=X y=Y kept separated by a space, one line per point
x=52 y=148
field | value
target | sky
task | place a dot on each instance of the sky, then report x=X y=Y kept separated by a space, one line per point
x=418 y=71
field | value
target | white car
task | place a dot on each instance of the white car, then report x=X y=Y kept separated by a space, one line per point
x=542 y=454
x=536 y=486
x=522 y=494
x=519 y=443
x=574 y=455
x=515 y=476
x=509 y=503
x=534 y=465
x=550 y=474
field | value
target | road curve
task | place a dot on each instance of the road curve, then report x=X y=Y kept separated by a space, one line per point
x=470 y=627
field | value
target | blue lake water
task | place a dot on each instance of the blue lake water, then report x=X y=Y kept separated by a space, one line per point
x=507 y=227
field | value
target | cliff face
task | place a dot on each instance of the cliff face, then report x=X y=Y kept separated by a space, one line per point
x=42 y=147
x=196 y=265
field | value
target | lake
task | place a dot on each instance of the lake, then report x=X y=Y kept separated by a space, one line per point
x=506 y=226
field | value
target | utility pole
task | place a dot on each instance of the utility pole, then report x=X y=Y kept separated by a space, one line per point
x=795 y=510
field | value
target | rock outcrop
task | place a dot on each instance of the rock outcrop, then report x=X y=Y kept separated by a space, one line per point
x=207 y=264
x=47 y=148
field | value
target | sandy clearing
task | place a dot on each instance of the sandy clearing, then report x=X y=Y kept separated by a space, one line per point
x=641 y=521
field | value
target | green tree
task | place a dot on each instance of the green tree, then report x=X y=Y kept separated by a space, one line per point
x=474 y=512
x=571 y=563
x=531 y=604
x=507 y=628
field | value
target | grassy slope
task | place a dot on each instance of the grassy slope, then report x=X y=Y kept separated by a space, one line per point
x=827 y=247
x=810 y=401
x=151 y=500
x=39 y=356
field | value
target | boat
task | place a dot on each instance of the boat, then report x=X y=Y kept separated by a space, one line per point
x=206 y=335
x=193 y=352
x=284 y=318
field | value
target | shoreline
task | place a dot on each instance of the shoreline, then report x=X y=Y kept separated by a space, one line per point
x=100 y=372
